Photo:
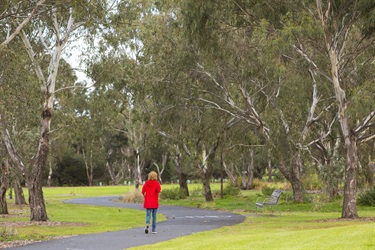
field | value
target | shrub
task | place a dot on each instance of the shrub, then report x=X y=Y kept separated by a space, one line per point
x=196 y=192
x=267 y=191
x=312 y=182
x=133 y=197
x=367 y=198
x=173 y=194
x=229 y=189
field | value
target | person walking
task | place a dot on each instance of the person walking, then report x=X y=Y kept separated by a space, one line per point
x=151 y=191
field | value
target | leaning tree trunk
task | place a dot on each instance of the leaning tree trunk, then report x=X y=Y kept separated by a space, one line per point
x=18 y=192
x=231 y=173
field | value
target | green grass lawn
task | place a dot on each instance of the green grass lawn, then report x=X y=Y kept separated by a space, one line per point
x=311 y=225
x=70 y=219
x=290 y=231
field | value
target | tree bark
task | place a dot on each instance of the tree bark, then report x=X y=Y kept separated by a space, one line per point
x=34 y=179
x=206 y=172
x=3 y=189
x=89 y=167
x=137 y=171
x=206 y=176
x=349 y=208
x=369 y=173
x=250 y=171
x=293 y=175
x=18 y=192
x=269 y=168
x=335 y=41
x=231 y=174
x=49 y=180
x=182 y=176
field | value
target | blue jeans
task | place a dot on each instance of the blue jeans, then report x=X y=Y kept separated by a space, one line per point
x=151 y=212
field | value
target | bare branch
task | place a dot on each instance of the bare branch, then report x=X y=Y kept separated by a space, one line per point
x=321 y=138
x=32 y=56
x=12 y=152
x=364 y=123
x=309 y=60
x=366 y=138
x=73 y=87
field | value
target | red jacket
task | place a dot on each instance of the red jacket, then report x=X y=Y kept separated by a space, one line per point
x=150 y=191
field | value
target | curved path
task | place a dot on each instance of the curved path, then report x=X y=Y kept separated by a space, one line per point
x=181 y=221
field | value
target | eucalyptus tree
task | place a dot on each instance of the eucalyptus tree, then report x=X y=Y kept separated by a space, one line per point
x=192 y=129
x=346 y=38
x=239 y=153
x=257 y=80
x=240 y=72
x=17 y=106
x=201 y=141
x=132 y=43
x=51 y=31
x=82 y=128
x=168 y=56
x=23 y=12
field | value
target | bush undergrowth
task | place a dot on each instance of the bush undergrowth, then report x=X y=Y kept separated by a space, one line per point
x=133 y=197
x=367 y=198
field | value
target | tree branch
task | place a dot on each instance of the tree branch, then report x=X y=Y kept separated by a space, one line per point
x=364 y=123
x=21 y=25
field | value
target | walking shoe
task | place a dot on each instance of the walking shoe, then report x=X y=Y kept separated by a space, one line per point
x=146 y=229
x=154 y=232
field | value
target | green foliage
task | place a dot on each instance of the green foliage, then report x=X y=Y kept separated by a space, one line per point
x=196 y=192
x=71 y=170
x=230 y=190
x=368 y=198
x=173 y=194
x=267 y=191
x=312 y=182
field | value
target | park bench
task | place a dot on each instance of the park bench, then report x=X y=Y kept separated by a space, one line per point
x=269 y=201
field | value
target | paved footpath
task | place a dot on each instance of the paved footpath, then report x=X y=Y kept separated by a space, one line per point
x=181 y=221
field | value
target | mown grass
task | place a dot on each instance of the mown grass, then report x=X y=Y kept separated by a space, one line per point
x=279 y=233
x=314 y=224
x=70 y=219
